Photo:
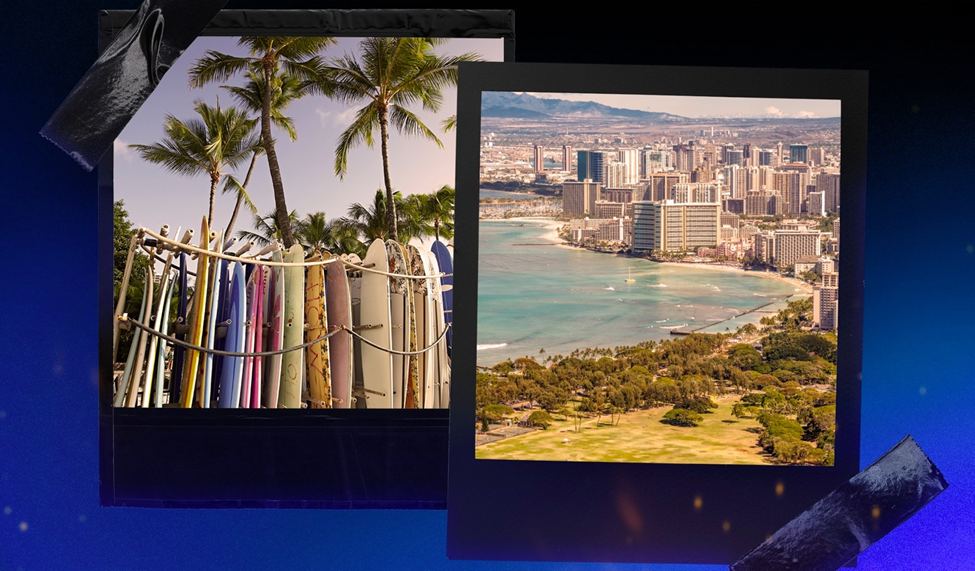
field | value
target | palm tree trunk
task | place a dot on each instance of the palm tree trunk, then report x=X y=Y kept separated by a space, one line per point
x=240 y=197
x=280 y=207
x=390 y=203
x=214 y=180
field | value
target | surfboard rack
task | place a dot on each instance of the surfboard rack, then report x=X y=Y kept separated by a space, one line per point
x=364 y=392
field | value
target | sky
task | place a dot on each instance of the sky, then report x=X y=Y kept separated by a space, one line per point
x=153 y=196
x=687 y=106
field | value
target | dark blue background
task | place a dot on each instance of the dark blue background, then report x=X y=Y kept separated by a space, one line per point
x=920 y=268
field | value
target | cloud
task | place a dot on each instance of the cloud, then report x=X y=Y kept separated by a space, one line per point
x=806 y=115
x=774 y=112
x=121 y=150
x=330 y=119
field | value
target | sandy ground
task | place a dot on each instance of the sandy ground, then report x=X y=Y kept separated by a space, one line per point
x=798 y=284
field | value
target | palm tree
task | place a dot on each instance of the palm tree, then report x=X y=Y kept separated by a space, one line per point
x=299 y=56
x=267 y=229
x=219 y=139
x=370 y=222
x=315 y=232
x=436 y=212
x=285 y=89
x=394 y=73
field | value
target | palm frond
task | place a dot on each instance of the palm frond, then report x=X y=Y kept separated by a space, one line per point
x=409 y=124
x=215 y=66
x=360 y=131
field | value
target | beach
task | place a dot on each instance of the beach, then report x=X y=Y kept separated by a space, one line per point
x=533 y=296
x=798 y=284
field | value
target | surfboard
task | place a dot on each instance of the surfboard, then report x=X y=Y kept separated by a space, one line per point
x=316 y=325
x=211 y=326
x=427 y=334
x=135 y=381
x=338 y=306
x=289 y=395
x=442 y=359
x=199 y=303
x=399 y=314
x=154 y=342
x=222 y=313
x=258 y=376
x=414 y=266
x=176 y=375
x=374 y=317
x=133 y=348
x=446 y=265
x=233 y=367
x=275 y=332
x=161 y=356
x=249 y=332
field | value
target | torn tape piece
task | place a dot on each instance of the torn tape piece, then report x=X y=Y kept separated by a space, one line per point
x=852 y=517
x=100 y=105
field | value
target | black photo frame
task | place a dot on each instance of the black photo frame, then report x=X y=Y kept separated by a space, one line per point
x=275 y=458
x=625 y=512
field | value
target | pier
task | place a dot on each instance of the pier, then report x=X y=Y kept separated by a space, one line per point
x=706 y=325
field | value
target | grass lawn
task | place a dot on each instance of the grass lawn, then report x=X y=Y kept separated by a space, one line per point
x=640 y=437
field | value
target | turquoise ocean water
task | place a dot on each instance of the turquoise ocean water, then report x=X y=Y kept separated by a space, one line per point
x=551 y=297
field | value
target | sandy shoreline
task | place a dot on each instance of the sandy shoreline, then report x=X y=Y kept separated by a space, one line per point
x=552 y=227
x=773 y=275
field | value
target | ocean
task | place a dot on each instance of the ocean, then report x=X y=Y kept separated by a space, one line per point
x=533 y=295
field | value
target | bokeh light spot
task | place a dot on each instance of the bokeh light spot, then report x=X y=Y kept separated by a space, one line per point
x=23 y=526
x=7 y=510
x=922 y=391
x=726 y=526
x=698 y=502
x=779 y=488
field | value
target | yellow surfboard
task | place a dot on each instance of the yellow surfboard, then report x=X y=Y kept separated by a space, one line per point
x=316 y=325
x=196 y=327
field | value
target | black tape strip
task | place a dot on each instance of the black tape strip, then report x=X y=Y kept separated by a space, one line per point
x=854 y=516
x=100 y=105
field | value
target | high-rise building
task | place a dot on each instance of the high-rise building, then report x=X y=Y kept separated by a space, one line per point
x=829 y=185
x=538 y=154
x=674 y=227
x=630 y=158
x=816 y=155
x=614 y=175
x=790 y=245
x=654 y=160
x=606 y=209
x=817 y=205
x=799 y=154
x=763 y=203
x=732 y=184
x=567 y=158
x=826 y=302
x=763 y=246
x=767 y=158
x=659 y=185
x=735 y=157
x=734 y=205
x=582 y=163
x=579 y=198
x=624 y=195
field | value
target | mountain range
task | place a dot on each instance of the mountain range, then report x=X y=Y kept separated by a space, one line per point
x=523 y=105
